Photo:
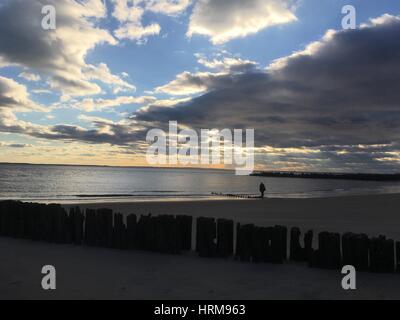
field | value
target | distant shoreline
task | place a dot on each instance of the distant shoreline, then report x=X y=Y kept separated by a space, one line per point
x=331 y=176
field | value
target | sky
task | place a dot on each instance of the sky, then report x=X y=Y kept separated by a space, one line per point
x=319 y=97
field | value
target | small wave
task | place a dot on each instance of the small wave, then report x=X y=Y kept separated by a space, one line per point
x=157 y=191
x=150 y=195
x=103 y=195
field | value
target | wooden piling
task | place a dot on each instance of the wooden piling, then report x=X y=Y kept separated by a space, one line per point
x=296 y=251
x=381 y=255
x=206 y=237
x=185 y=229
x=131 y=226
x=328 y=255
x=244 y=242
x=224 y=238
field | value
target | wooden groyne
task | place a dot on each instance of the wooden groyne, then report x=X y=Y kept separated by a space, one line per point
x=214 y=238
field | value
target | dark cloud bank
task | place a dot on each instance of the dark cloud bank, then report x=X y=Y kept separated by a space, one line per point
x=339 y=93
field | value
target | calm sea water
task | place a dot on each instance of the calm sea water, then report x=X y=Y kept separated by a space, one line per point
x=74 y=184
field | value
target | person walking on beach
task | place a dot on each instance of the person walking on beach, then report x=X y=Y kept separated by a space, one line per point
x=262 y=190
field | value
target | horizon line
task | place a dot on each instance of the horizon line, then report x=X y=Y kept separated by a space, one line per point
x=108 y=166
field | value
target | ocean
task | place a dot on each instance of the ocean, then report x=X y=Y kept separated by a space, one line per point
x=74 y=184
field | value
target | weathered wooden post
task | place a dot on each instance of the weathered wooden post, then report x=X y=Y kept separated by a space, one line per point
x=52 y=217
x=119 y=232
x=141 y=231
x=244 y=242
x=259 y=249
x=131 y=222
x=76 y=225
x=389 y=261
x=2 y=217
x=206 y=237
x=89 y=228
x=362 y=252
x=35 y=221
x=277 y=244
x=349 y=248
x=355 y=250
x=375 y=251
x=80 y=221
x=71 y=225
x=224 y=237
x=381 y=255
x=149 y=236
x=328 y=255
x=398 y=257
x=105 y=227
x=161 y=242
x=308 y=245
x=185 y=227
x=173 y=236
x=21 y=216
x=296 y=251
x=62 y=225
x=283 y=232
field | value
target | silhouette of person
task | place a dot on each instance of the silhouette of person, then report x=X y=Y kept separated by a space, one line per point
x=262 y=190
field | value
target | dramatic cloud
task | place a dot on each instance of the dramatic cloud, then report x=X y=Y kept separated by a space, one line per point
x=14 y=96
x=188 y=83
x=59 y=53
x=103 y=131
x=333 y=105
x=224 y=20
x=340 y=91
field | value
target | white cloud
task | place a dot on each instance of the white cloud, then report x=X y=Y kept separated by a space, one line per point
x=127 y=10
x=135 y=31
x=90 y=105
x=130 y=15
x=14 y=96
x=29 y=76
x=91 y=119
x=60 y=54
x=188 y=83
x=41 y=91
x=163 y=103
x=168 y=7
x=226 y=63
x=102 y=73
x=224 y=20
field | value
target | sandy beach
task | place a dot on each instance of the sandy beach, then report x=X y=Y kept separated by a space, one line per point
x=92 y=273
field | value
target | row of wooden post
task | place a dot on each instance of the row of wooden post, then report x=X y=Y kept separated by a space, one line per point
x=214 y=238
x=98 y=228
